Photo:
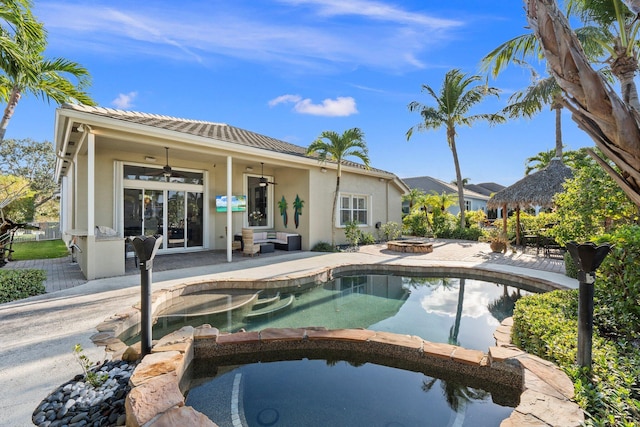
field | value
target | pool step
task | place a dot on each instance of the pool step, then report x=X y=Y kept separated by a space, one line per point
x=274 y=307
x=267 y=300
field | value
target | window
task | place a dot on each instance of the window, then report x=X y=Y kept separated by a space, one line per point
x=145 y=173
x=259 y=202
x=354 y=208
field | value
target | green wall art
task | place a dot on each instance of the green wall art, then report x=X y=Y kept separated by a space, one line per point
x=282 y=204
x=298 y=204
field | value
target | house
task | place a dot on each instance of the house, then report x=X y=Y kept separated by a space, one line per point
x=198 y=184
x=475 y=195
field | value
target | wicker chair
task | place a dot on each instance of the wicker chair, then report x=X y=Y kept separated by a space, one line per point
x=250 y=248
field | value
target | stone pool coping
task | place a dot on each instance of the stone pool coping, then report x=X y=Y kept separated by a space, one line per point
x=157 y=400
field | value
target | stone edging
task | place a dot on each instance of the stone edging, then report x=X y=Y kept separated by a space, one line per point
x=547 y=394
x=156 y=399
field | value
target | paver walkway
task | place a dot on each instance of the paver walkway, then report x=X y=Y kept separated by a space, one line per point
x=39 y=333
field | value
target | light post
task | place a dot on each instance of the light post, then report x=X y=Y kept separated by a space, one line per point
x=587 y=257
x=146 y=248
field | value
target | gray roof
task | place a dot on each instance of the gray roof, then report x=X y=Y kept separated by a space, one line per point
x=430 y=185
x=539 y=188
x=204 y=129
x=486 y=188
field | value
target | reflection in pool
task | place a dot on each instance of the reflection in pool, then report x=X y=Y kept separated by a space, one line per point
x=320 y=393
x=460 y=311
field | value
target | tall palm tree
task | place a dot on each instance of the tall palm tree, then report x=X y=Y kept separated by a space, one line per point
x=457 y=96
x=31 y=72
x=335 y=147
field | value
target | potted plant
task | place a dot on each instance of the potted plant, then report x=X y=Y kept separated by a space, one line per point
x=497 y=239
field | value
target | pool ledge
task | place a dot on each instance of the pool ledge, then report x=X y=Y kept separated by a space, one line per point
x=157 y=400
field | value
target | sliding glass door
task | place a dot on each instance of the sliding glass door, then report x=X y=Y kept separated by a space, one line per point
x=168 y=209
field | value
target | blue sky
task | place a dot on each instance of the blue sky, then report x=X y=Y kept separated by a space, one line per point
x=291 y=69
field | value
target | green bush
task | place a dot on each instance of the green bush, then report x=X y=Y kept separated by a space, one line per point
x=617 y=288
x=546 y=325
x=323 y=247
x=366 y=238
x=415 y=224
x=18 y=284
x=389 y=231
x=472 y=233
x=570 y=268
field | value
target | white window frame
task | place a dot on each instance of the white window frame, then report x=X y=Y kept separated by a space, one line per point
x=270 y=202
x=368 y=204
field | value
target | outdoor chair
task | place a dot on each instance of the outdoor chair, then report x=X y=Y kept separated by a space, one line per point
x=249 y=247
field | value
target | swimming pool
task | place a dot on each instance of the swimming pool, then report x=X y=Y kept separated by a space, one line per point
x=456 y=310
x=319 y=393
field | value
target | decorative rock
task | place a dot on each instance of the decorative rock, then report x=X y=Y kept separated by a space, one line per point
x=132 y=353
x=88 y=406
x=182 y=416
x=153 y=397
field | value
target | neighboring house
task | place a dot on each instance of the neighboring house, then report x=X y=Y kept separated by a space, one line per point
x=475 y=195
x=118 y=179
x=485 y=188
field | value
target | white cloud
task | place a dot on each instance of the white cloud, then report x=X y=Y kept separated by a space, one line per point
x=342 y=106
x=124 y=100
x=283 y=99
x=375 y=10
x=297 y=35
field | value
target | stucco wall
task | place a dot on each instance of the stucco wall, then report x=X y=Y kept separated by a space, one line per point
x=385 y=202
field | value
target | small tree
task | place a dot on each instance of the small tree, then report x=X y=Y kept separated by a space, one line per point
x=332 y=146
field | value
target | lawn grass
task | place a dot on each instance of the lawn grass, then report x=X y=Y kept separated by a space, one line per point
x=43 y=249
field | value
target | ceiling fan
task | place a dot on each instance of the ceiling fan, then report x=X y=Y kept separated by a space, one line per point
x=167 y=172
x=264 y=182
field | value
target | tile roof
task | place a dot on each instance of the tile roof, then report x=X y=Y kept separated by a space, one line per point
x=429 y=184
x=204 y=129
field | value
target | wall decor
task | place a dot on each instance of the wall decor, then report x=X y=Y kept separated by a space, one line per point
x=298 y=204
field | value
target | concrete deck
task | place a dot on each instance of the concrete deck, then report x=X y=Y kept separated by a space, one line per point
x=39 y=333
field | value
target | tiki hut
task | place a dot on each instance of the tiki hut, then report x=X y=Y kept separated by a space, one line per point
x=537 y=189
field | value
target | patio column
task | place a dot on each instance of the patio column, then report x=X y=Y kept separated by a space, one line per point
x=229 y=213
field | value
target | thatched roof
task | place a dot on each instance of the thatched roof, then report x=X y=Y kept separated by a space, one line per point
x=537 y=189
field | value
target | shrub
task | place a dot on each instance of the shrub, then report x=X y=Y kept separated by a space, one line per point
x=352 y=233
x=546 y=325
x=389 y=231
x=472 y=233
x=366 y=238
x=18 y=284
x=617 y=288
x=323 y=247
x=415 y=224
x=570 y=268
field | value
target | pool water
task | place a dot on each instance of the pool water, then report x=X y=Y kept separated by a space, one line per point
x=460 y=311
x=314 y=393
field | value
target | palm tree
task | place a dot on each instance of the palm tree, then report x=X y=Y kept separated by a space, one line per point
x=31 y=72
x=465 y=181
x=332 y=146
x=412 y=197
x=456 y=98
x=539 y=161
x=616 y=29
